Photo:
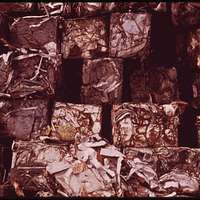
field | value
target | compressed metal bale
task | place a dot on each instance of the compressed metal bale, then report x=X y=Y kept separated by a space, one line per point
x=84 y=38
x=145 y=125
x=90 y=169
x=26 y=74
x=156 y=85
x=129 y=35
x=24 y=119
x=161 y=172
x=35 y=32
x=29 y=163
x=102 y=81
x=72 y=121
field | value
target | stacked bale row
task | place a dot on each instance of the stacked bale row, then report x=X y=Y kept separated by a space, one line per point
x=61 y=145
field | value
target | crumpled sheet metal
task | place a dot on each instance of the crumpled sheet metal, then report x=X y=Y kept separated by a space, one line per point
x=29 y=162
x=11 y=8
x=84 y=38
x=55 y=8
x=35 y=32
x=185 y=14
x=24 y=119
x=158 y=85
x=28 y=73
x=129 y=34
x=193 y=48
x=173 y=172
x=145 y=125
x=90 y=169
x=72 y=121
x=94 y=173
x=102 y=81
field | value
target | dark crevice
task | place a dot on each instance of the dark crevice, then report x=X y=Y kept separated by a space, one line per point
x=187 y=133
x=188 y=130
x=106 y=131
x=69 y=86
x=130 y=65
x=50 y=109
x=162 y=40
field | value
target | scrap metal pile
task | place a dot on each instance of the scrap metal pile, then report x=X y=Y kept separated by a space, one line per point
x=52 y=147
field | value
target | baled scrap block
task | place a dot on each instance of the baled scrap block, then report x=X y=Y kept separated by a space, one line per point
x=23 y=119
x=28 y=74
x=82 y=181
x=11 y=8
x=102 y=81
x=145 y=125
x=158 y=85
x=35 y=32
x=173 y=172
x=54 y=8
x=193 y=48
x=69 y=121
x=181 y=158
x=30 y=162
x=129 y=34
x=95 y=173
x=84 y=38
x=185 y=14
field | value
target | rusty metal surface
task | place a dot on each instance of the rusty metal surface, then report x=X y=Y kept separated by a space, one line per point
x=71 y=121
x=84 y=38
x=145 y=125
x=129 y=34
x=102 y=81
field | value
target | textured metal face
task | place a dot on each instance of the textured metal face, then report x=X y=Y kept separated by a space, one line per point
x=23 y=120
x=129 y=34
x=157 y=85
x=164 y=171
x=84 y=38
x=35 y=32
x=102 y=81
x=90 y=170
x=144 y=125
x=29 y=163
x=28 y=74
x=75 y=120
